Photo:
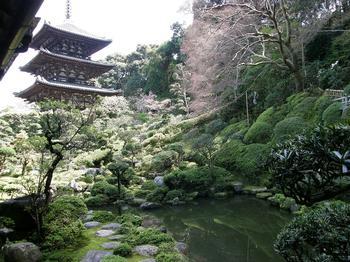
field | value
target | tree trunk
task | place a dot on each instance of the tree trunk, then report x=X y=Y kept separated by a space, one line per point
x=49 y=176
x=298 y=80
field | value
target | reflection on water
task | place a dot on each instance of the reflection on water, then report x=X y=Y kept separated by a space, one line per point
x=241 y=229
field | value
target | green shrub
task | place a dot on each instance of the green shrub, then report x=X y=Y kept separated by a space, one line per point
x=62 y=226
x=322 y=103
x=246 y=160
x=321 y=234
x=149 y=185
x=71 y=206
x=97 y=201
x=130 y=218
x=304 y=109
x=288 y=128
x=104 y=188
x=7 y=222
x=96 y=158
x=177 y=147
x=143 y=117
x=123 y=250
x=227 y=155
x=175 y=194
x=149 y=236
x=103 y=216
x=114 y=258
x=164 y=160
x=215 y=126
x=267 y=116
x=199 y=179
x=157 y=195
x=169 y=257
x=332 y=114
x=259 y=132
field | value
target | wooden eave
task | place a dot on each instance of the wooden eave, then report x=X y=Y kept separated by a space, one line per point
x=42 y=84
x=44 y=56
x=49 y=31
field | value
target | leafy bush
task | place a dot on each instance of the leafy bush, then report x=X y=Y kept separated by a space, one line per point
x=332 y=114
x=149 y=236
x=103 y=216
x=304 y=109
x=199 y=179
x=114 y=258
x=104 y=188
x=149 y=185
x=96 y=158
x=267 y=116
x=246 y=160
x=321 y=104
x=321 y=234
x=7 y=222
x=123 y=250
x=169 y=257
x=164 y=160
x=215 y=126
x=288 y=128
x=71 y=206
x=234 y=131
x=259 y=132
x=97 y=201
x=309 y=168
x=157 y=195
x=130 y=218
x=180 y=194
x=62 y=226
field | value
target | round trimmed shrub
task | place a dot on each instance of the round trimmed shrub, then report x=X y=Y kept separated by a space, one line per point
x=62 y=224
x=321 y=234
x=288 y=128
x=103 y=216
x=320 y=106
x=169 y=257
x=259 y=132
x=123 y=250
x=97 y=201
x=332 y=114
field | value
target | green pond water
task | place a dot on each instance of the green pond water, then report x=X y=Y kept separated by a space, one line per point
x=241 y=229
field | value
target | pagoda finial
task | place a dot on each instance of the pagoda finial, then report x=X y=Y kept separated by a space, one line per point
x=68 y=10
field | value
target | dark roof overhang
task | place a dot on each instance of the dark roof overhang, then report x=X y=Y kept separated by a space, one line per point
x=16 y=26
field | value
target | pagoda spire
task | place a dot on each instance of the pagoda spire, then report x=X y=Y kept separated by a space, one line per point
x=68 y=9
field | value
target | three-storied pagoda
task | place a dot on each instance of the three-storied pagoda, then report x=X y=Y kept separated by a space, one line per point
x=63 y=66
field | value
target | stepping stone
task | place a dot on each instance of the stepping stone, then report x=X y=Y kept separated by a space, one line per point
x=104 y=233
x=181 y=247
x=96 y=255
x=110 y=245
x=92 y=224
x=116 y=237
x=88 y=218
x=113 y=226
x=146 y=250
x=148 y=260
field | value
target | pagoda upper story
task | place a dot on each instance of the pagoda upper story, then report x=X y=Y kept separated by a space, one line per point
x=63 y=65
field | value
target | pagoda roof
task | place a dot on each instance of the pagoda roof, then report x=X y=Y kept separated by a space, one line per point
x=69 y=31
x=41 y=84
x=45 y=55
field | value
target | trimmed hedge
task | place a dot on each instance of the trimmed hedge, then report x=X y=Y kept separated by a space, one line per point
x=259 y=132
x=288 y=128
x=332 y=114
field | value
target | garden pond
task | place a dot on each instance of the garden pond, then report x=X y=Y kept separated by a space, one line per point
x=238 y=229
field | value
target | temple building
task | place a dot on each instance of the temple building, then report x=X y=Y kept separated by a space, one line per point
x=63 y=65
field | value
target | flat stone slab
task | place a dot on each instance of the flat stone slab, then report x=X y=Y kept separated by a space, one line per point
x=116 y=237
x=6 y=231
x=264 y=195
x=104 y=233
x=88 y=218
x=110 y=245
x=92 y=224
x=113 y=226
x=146 y=250
x=96 y=255
x=148 y=260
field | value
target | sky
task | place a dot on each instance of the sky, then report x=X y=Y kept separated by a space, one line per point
x=126 y=22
